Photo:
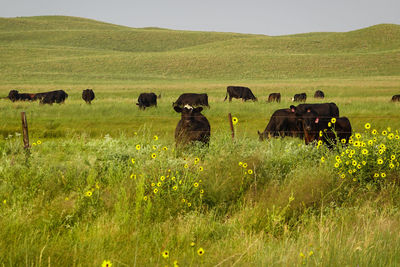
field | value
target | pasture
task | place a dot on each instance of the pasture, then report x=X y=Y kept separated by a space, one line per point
x=104 y=182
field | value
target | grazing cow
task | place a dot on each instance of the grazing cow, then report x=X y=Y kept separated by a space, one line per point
x=239 y=92
x=299 y=97
x=319 y=129
x=319 y=94
x=146 y=100
x=274 y=97
x=396 y=98
x=51 y=97
x=192 y=127
x=88 y=95
x=283 y=123
x=191 y=99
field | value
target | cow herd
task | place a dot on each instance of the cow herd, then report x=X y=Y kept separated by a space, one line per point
x=310 y=122
x=307 y=121
x=57 y=96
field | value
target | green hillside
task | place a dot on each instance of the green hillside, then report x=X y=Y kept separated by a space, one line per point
x=69 y=49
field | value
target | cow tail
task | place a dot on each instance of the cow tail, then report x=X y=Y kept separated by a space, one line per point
x=226 y=96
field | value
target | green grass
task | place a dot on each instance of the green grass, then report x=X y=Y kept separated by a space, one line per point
x=70 y=50
x=293 y=210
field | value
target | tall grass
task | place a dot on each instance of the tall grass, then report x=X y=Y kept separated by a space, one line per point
x=263 y=203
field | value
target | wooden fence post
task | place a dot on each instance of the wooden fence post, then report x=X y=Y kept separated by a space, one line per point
x=230 y=122
x=25 y=130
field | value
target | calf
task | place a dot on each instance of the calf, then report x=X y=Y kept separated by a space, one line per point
x=300 y=97
x=146 y=100
x=274 y=97
x=239 y=92
x=88 y=95
x=396 y=98
x=319 y=94
x=192 y=127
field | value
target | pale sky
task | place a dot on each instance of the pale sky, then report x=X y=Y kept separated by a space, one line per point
x=270 y=17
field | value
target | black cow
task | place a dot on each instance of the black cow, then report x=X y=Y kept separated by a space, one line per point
x=51 y=97
x=319 y=94
x=88 y=95
x=191 y=99
x=14 y=95
x=396 y=98
x=324 y=110
x=283 y=123
x=146 y=100
x=325 y=130
x=192 y=127
x=239 y=92
x=274 y=97
x=300 y=97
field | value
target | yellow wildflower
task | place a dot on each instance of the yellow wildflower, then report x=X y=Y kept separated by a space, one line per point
x=235 y=120
x=367 y=125
x=106 y=263
x=337 y=165
x=200 y=252
x=88 y=193
x=333 y=120
x=153 y=156
x=165 y=254
x=137 y=147
x=155 y=137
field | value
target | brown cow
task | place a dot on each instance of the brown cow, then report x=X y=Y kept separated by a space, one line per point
x=274 y=97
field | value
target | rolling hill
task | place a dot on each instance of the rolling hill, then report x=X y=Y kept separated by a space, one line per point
x=58 y=49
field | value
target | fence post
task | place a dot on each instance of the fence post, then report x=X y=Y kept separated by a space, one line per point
x=231 y=124
x=25 y=130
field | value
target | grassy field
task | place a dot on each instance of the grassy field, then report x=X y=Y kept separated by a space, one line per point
x=97 y=186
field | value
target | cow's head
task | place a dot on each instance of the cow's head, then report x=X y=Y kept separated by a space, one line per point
x=13 y=95
x=188 y=113
x=262 y=136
